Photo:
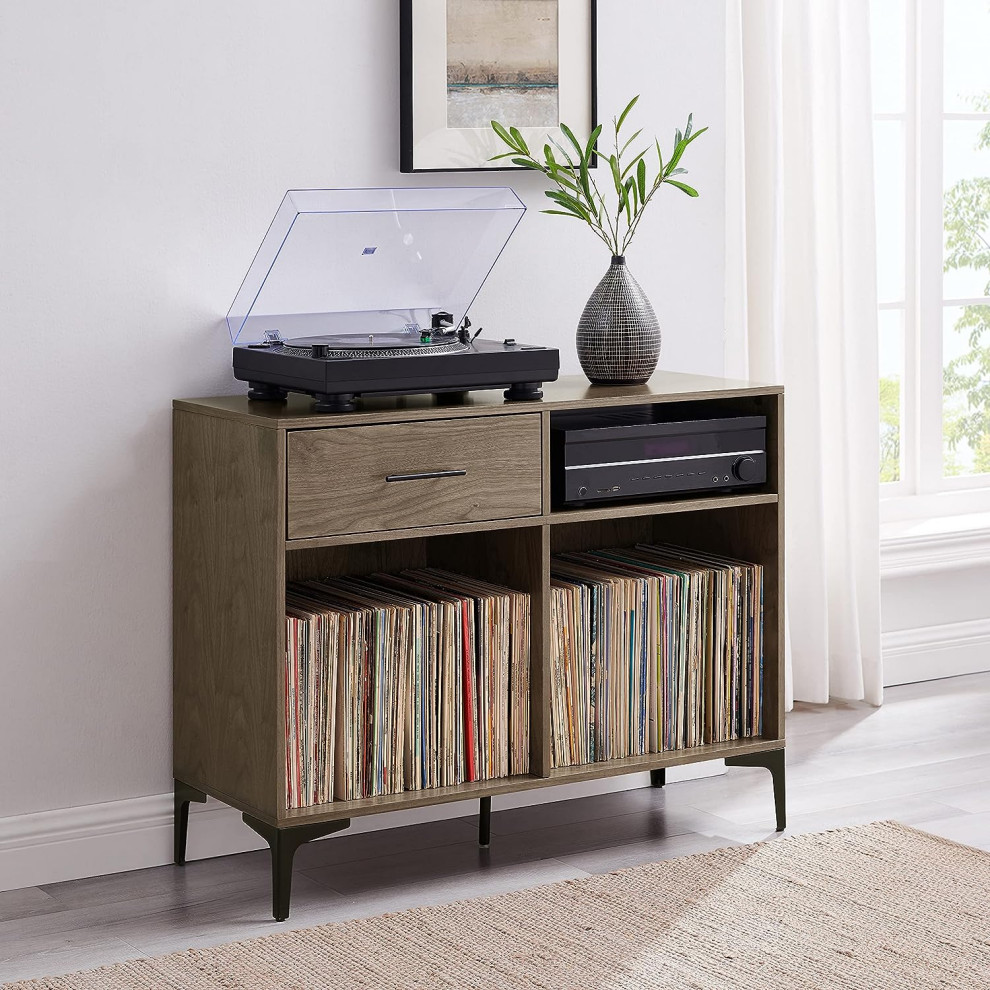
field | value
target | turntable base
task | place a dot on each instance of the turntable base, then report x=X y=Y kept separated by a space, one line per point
x=337 y=370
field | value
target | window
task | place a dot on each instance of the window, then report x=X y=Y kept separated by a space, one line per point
x=931 y=101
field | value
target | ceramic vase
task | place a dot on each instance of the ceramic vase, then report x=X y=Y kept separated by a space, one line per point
x=618 y=336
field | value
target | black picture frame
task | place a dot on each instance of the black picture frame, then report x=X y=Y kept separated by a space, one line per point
x=407 y=74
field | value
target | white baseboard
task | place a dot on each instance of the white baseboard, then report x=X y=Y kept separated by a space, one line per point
x=930 y=547
x=133 y=834
x=923 y=654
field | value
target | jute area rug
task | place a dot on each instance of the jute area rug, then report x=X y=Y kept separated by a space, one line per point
x=871 y=907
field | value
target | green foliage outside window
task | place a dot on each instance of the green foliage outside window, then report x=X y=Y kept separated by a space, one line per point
x=890 y=429
x=966 y=379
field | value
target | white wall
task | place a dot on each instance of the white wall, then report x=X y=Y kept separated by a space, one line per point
x=145 y=147
x=934 y=594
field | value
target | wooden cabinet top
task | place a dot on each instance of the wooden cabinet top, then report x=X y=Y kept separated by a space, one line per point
x=569 y=392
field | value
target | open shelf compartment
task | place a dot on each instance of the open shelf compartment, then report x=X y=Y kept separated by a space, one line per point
x=513 y=557
x=749 y=531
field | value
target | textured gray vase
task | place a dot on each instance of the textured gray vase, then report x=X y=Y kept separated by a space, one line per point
x=618 y=336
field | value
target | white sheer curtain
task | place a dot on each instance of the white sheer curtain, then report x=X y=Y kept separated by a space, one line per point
x=802 y=311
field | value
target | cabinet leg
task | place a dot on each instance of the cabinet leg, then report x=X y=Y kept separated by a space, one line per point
x=773 y=760
x=658 y=777
x=182 y=795
x=283 y=843
x=485 y=823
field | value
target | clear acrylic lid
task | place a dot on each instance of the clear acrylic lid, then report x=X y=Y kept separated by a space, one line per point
x=345 y=261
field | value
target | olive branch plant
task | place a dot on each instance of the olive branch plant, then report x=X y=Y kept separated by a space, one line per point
x=577 y=193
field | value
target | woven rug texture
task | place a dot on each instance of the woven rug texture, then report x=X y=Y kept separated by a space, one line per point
x=870 y=907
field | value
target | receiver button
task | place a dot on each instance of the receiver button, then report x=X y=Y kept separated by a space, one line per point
x=744 y=469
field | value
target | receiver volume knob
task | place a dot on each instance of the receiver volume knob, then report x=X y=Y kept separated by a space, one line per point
x=745 y=469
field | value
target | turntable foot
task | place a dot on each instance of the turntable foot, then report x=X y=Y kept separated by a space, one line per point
x=262 y=392
x=339 y=402
x=523 y=392
x=450 y=398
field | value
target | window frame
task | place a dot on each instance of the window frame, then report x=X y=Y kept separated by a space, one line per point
x=922 y=490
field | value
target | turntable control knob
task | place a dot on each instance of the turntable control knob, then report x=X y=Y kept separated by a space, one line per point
x=745 y=469
x=321 y=350
x=509 y=342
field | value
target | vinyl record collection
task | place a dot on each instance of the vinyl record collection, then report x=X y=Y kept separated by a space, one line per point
x=654 y=648
x=402 y=682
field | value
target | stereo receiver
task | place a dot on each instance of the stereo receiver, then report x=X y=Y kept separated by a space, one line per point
x=638 y=452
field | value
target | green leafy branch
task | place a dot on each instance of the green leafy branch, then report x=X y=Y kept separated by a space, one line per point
x=966 y=379
x=577 y=194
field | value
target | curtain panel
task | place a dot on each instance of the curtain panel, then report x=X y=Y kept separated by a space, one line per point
x=802 y=310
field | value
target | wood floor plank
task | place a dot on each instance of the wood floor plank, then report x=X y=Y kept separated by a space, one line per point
x=26 y=903
x=620 y=857
x=745 y=796
x=227 y=919
x=973 y=800
x=397 y=870
x=409 y=841
x=443 y=885
x=915 y=811
x=197 y=880
x=45 y=955
x=970 y=830
x=565 y=814
x=845 y=764
x=196 y=909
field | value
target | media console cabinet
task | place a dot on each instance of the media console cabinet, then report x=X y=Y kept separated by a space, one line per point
x=267 y=492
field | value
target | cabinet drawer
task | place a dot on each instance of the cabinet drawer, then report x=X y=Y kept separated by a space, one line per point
x=361 y=479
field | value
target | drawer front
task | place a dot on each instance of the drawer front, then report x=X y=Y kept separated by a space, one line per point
x=362 y=479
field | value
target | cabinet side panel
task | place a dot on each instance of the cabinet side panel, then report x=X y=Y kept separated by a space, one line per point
x=775 y=437
x=228 y=599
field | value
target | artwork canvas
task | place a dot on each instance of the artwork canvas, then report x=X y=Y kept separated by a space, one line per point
x=502 y=62
x=465 y=63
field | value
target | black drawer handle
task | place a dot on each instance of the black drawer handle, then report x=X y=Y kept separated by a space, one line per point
x=425 y=474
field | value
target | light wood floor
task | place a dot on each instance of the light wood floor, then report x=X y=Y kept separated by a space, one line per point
x=922 y=759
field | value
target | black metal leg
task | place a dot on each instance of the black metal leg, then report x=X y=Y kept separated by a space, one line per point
x=772 y=760
x=485 y=823
x=283 y=843
x=182 y=795
x=658 y=777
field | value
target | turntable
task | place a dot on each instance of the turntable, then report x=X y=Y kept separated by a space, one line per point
x=360 y=292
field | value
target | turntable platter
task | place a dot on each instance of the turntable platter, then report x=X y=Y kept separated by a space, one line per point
x=361 y=341
x=377 y=345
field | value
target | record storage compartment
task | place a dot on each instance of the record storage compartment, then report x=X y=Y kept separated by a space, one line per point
x=234 y=553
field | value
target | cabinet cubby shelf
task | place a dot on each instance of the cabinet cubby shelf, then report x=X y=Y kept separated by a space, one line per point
x=706 y=503
x=527 y=782
x=349 y=539
x=268 y=493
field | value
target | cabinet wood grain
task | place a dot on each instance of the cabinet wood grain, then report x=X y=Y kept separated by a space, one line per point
x=362 y=479
x=265 y=493
x=228 y=611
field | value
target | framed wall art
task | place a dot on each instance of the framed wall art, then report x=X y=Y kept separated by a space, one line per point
x=464 y=63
